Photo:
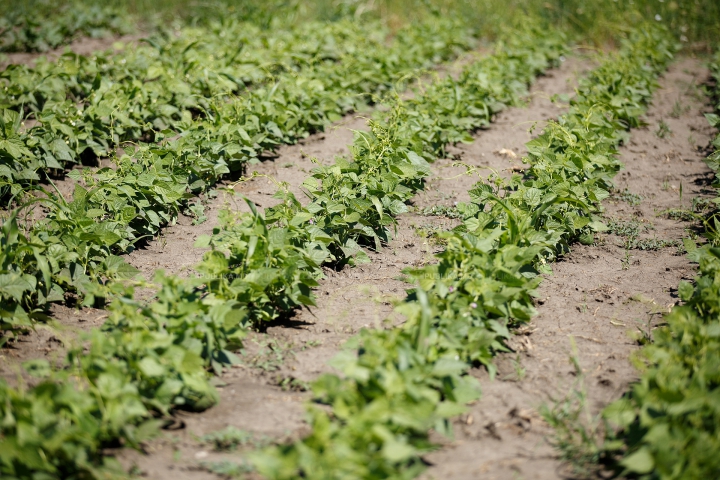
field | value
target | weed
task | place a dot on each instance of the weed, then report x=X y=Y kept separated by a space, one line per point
x=232 y=438
x=663 y=130
x=293 y=384
x=520 y=371
x=197 y=211
x=577 y=434
x=270 y=356
x=311 y=344
x=627 y=228
x=643 y=334
x=628 y=197
x=440 y=211
x=680 y=214
x=228 y=468
x=431 y=234
x=630 y=231
x=583 y=307
x=679 y=109
x=626 y=260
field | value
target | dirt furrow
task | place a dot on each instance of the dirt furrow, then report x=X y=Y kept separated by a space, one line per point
x=605 y=297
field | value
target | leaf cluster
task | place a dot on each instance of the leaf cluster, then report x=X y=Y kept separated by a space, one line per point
x=43 y=25
x=156 y=357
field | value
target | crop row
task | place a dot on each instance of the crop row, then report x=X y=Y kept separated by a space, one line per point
x=42 y=25
x=80 y=108
x=670 y=420
x=398 y=384
x=151 y=358
x=71 y=251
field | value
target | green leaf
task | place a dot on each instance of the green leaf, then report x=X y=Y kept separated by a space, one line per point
x=641 y=461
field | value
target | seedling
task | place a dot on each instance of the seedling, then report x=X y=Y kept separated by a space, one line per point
x=629 y=197
x=663 y=130
x=231 y=438
x=228 y=469
x=577 y=434
x=679 y=109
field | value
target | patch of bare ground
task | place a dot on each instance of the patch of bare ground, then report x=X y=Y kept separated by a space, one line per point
x=603 y=296
x=262 y=397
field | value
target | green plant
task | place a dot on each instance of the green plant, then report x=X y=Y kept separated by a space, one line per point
x=42 y=25
x=228 y=469
x=231 y=438
x=629 y=197
x=679 y=109
x=160 y=354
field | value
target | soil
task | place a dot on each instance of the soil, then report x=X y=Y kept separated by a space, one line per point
x=602 y=297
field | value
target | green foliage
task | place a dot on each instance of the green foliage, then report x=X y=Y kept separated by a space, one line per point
x=632 y=198
x=227 y=439
x=399 y=383
x=146 y=190
x=83 y=107
x=41 y=25
x=440 y=211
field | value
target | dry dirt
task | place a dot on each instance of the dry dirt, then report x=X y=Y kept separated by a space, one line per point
x=596 y=295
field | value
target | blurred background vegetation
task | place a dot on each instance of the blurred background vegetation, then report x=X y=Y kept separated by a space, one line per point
x=695 y=22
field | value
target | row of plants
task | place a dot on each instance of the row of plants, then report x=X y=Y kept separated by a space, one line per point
x=78 y=108
x=71 y=251
x=42 y=25
x=668 y=425
x=151 y=358
x=398 y=384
